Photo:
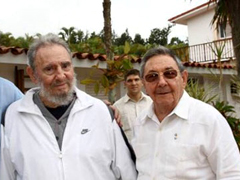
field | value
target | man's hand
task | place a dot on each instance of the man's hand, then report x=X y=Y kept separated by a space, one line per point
x=117 y=115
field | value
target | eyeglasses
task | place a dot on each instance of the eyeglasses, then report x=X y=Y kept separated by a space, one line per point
x=154 y=76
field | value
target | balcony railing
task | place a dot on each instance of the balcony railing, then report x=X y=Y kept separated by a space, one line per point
x=206 y=52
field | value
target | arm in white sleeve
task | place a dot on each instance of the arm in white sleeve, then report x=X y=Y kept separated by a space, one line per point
x=224 y=156
x=124 y=167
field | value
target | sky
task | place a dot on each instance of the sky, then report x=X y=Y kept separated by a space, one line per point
x=21 y=17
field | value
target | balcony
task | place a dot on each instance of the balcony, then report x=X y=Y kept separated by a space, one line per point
x=207 y=52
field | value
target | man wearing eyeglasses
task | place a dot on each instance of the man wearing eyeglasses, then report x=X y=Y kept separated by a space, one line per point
x=133 y=103
x=180 y=137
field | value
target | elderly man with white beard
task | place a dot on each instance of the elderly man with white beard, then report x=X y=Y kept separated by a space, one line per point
x=58 y=132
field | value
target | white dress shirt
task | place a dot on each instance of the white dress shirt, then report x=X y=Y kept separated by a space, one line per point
x=130 y=109
x=194 y=142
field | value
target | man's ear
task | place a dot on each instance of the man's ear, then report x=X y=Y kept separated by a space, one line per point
x=32 y=75
x=184 y=78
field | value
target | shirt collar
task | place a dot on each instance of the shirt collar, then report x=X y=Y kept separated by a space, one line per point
x=126 y=98
x=148 y=115
x=182 y=107
x=181 y=110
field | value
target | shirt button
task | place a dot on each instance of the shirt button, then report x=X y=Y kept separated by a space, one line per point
x=60 y=155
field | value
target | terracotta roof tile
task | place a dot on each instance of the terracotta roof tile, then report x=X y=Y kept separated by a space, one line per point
x=225 y=65
x=17 y=51
x=13 y=50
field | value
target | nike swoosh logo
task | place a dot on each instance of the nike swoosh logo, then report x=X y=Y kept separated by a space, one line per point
x=84 y=131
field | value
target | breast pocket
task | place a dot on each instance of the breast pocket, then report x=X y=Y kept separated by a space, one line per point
x=125 y=122
x=181 y=161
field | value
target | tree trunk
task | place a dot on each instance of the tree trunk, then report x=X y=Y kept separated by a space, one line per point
x=233 y=7
x=108 y=39
x=107 y=28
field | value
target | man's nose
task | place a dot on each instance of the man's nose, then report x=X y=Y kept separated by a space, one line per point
x=134 y=82
x=161 y=80
x=60 y=73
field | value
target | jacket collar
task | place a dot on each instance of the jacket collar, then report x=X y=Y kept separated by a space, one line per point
x=83 y=101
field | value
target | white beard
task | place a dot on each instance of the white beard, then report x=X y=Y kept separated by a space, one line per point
x=58 y=99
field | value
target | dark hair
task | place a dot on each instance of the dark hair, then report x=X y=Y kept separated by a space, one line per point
x=161 y=50
x=131 y=72
x=42 y=41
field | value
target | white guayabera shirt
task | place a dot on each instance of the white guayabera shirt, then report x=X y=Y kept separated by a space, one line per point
x=129 y=111
x=193 y=142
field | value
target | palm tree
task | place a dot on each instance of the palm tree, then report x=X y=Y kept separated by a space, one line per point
x=228 y=11
x=6 y=39
x=69 y=35
x=115 y=69
x=107 y=28
x=23 y=42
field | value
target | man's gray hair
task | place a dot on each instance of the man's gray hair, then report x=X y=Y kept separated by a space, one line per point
x=42 y=41
x=161 y=50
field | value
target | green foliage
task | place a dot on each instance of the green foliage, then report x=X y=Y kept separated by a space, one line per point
x=92 y=45
x=68 y=35
x=228 y=112
x=222 y=14
x=235 y=80
x=181 y=50
x=223 y=108
x=79 y=41
x=138 y=49
x=197 y=91
x=126 y=47
x=6 y=39
x=72 y=36
x=23 y=42
x=160 y=36
x=113 y=74
x=110 y=77
x=88 y=81
x=217 y=49
x=138 y=39
x=176 y=41
x=122 y=39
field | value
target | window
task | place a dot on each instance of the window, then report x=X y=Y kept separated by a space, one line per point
x=234 y=88
x=224 y=32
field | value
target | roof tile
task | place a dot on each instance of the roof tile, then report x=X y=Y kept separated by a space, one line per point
x=92 y=57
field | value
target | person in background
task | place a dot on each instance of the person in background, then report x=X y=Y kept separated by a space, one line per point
x=57 y=131
x=8 y=94
x=134 y=102
x=179 y=137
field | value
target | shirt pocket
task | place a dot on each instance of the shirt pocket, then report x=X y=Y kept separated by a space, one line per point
x=181 y=161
